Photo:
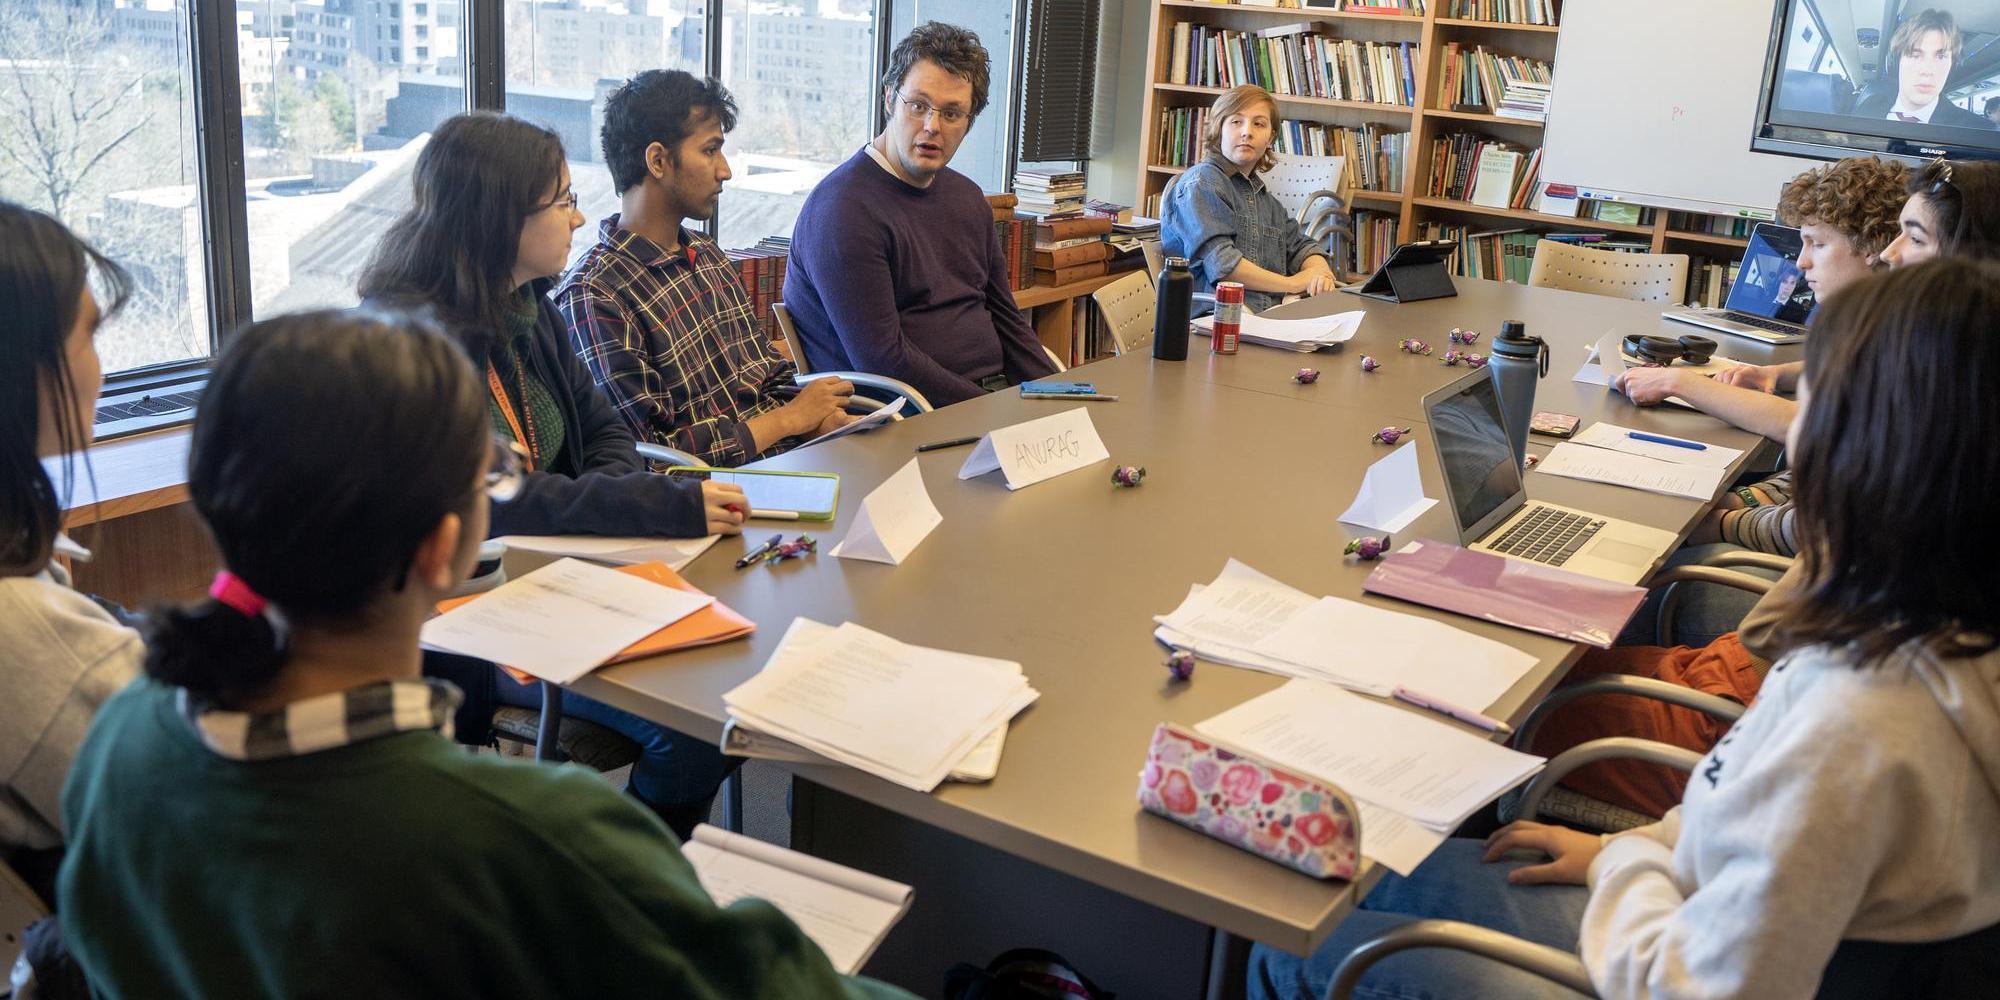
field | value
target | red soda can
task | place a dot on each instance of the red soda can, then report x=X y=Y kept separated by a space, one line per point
x=1228 y=318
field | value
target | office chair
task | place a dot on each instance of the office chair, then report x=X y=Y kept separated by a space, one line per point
x=1638 y=277
x=867 y=386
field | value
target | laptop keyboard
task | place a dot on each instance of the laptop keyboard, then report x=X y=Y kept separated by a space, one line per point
x=1759 y=322
x=1547 y=535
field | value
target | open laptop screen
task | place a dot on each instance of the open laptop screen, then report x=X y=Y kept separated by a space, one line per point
x=1479 y=470
x=1769 y=282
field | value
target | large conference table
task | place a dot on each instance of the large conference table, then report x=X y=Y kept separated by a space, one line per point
x=1064 y=577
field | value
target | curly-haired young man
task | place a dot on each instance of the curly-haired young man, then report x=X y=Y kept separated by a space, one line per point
x=1846 y=213
x=658 y=313
x=895 y=267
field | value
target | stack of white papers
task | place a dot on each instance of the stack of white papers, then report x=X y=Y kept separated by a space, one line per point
x=561 y=621
x=1247 y=619
x=1302 y=335
x=906 y=714
x=1619 y=468
x=844 y=911
x=675 y=552
x=1415 y=778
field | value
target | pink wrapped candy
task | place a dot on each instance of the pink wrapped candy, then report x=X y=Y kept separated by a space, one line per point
x=1452 y=358
x=1369 y=364
x=1306 y=376
x=1390 y=434
x=1459 y=336
x=1415 y=346
x=1368 y=547
x=1180 y=664
x=1128 y=475
x=1476 y=360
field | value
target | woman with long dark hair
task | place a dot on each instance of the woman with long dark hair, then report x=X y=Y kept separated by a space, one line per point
x=275 y=809
x=63 y=654
x=1855 y=802
x=488 y=228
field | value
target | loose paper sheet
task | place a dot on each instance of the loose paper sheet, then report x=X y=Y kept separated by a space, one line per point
x=677 y=553
x=894 y=518
x=1391 y=496
x=845 y=912
x=1390 y=757
x=1038 y=449
x=561 y=621
x=1617 y=438
x=891 y=410
x=1381 y=649
x=1602 y=465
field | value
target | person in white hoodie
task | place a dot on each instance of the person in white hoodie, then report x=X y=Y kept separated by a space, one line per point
x=1858 y=800
x=61 y=655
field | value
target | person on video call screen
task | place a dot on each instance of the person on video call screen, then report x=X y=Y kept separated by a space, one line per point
x=1909 y=87
x=1921 y=54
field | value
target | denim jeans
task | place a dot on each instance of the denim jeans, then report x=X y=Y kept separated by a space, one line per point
x=1705 y=610
x=675 y=772
x=1452 y=884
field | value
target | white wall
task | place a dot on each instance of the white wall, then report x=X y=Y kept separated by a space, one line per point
x=1114 y=177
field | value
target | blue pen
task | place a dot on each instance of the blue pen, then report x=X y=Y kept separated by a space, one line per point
x=1657 y=439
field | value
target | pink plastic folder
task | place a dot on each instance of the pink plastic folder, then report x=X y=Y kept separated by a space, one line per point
x=1506 y=591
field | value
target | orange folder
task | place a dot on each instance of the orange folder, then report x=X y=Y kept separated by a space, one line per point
x=717 y=622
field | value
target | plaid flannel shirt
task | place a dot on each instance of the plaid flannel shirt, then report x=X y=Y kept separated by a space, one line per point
x=671 y=339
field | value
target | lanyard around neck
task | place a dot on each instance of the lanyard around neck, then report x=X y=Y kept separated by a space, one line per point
x=532 y=438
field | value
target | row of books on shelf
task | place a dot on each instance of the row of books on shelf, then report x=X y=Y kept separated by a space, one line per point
x=1396 y=8
x=1374 y=154
x=1503 y=255
x=1713 y=225
x=1374 y=237
x=1505 y=11
x=1709 y=280
x=761 y=268
x=1508 y=86
x=1294 y=59
x=1470 y=167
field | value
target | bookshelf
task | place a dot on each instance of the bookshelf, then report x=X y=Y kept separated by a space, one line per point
x=1429 y=118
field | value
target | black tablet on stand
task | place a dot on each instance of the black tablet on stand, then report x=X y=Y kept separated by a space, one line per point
x=1413 y=273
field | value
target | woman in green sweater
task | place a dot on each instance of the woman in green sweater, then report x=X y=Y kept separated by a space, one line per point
x=277 y=808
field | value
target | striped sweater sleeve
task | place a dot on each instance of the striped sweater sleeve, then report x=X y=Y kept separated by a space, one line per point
x=1767 y=528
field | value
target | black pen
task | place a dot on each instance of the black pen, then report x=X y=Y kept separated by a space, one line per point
x=760 y=551
x=953 y=443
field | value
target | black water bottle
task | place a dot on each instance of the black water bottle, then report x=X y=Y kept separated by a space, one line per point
x=1519 y=359
x=1170 y=311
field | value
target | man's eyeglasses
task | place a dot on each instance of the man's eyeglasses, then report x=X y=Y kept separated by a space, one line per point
x=506 y=468
x=920 y=110
x=565 y=201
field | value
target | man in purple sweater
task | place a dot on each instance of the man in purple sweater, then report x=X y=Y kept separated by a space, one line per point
x=895 y=267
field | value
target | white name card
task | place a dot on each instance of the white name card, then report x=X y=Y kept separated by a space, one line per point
x=894 y=518
x=1038 y=449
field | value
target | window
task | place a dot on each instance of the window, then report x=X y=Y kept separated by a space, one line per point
x=97 y=129
x=328 y=157
x=563 y=58
x=784 y=142
x=983 y=155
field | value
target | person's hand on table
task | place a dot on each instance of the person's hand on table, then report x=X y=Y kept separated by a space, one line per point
x=1570 y=852
x=833 y=422
x=725 y=506
x=1762 y=378
x=1651 y=386
x=1315 y=278
x=817 y=400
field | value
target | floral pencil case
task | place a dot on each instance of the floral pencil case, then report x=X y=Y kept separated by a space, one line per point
x=1240 y=800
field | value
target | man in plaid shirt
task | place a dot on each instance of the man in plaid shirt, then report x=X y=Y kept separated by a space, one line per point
x=658 y=313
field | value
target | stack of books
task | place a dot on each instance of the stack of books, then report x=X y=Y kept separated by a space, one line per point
x=1375 y=155
x=1045 y=192
x=1714 y=225
x=1508 y=86
x=1709 y=280
x=1017 y=240
x=1294 y=59
x=1071 y=249
x=906 y=714
x=762 y=270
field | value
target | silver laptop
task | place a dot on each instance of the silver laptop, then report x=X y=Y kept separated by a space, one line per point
x=1490 y=505
x=1769 y=301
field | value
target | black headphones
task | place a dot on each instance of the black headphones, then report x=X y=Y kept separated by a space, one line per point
x=1665 y=351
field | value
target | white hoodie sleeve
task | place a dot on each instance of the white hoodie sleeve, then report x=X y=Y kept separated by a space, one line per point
x=1770 y=861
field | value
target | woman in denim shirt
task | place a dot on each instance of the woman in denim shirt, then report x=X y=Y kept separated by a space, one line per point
x=1220 y=217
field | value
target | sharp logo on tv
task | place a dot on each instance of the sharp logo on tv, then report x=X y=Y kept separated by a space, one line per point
x=1914 y=79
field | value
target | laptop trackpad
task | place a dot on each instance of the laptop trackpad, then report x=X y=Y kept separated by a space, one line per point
x=1624 y=553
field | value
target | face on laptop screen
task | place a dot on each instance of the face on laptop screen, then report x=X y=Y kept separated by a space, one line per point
x=1769 y=283
x=1471 y=445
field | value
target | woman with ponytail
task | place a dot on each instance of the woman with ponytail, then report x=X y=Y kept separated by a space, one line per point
x=63 y=654
x=277 y=807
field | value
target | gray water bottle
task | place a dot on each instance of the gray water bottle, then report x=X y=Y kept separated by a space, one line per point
x=1171 y=309
x=1518 y=360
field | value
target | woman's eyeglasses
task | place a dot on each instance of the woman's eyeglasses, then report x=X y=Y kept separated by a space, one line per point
x=506 y=469
x=565 y=201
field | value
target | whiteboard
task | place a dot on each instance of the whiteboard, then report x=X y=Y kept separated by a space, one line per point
x=1655 y=103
